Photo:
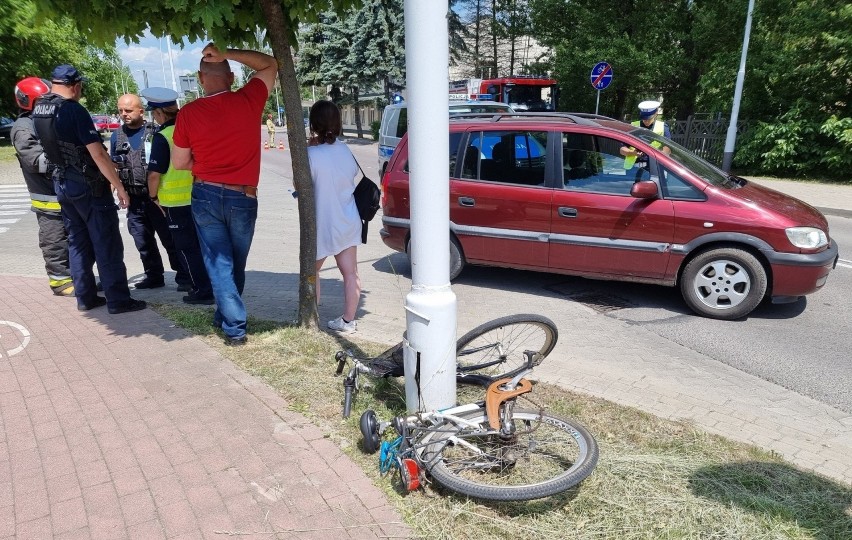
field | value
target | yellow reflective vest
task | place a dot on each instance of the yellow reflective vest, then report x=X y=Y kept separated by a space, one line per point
x=659 y=128
x=175 y=185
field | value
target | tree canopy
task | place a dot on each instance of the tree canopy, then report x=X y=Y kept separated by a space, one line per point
x=28 y=48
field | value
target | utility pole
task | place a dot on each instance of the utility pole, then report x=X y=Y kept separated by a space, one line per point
x=731 y=139
x=430 y=307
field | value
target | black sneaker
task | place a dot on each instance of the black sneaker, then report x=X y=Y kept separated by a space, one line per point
x=150 y=283
x=86 y=306
x=130 y=305
x=236 y=341
x=196 y=299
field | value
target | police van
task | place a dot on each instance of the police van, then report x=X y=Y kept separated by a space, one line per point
x=395 y=123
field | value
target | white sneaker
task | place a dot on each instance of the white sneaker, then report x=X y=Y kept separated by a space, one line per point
x=340 y=325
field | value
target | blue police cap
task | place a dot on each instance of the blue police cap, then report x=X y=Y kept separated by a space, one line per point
x=66 y=74
x=647 y=109
x=159 y=97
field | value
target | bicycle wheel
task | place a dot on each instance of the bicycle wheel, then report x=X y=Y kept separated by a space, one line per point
x=497 y=348
x=546 y=455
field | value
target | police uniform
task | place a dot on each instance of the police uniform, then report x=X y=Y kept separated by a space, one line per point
x=647 y=110
x=129 y=150
x=52 y=238
x=91 y=216
x=174 y=195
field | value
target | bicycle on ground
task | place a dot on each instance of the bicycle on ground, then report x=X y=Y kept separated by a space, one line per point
x=496 y=349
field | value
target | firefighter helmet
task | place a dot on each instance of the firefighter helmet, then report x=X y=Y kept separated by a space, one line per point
x=28 y=90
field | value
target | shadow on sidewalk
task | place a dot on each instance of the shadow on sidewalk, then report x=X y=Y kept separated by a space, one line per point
x=779 y=492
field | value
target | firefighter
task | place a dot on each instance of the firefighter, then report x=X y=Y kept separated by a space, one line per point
x=52 y=238
x=82 y=179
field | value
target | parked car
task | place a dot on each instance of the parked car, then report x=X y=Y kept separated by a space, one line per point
x=395 y=123
x=5 y=127
x=105 y=124
x=553 y=193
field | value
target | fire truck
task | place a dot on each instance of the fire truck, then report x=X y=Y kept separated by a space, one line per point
x=521 y=92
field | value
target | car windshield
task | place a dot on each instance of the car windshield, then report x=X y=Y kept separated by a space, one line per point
x=699 y=167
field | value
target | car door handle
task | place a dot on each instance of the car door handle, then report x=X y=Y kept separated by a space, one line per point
x=564 y=211
x=467 y=201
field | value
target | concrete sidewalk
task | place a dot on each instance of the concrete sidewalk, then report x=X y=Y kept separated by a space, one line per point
x=100 y=438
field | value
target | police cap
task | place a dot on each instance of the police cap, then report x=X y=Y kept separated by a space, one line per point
x=647 y=109
x=159 y=97
x=67 y=75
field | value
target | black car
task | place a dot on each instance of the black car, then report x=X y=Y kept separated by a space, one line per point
x=5 y=127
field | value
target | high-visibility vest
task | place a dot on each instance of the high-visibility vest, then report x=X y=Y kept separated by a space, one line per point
x=659 y=128
x=175 y=185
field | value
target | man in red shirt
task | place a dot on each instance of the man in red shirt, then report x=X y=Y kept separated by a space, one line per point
x=217 y=138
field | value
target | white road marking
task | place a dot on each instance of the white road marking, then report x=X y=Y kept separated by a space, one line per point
x=24 y=339
x=13 y=212
x=8 y=221
x=11 y=206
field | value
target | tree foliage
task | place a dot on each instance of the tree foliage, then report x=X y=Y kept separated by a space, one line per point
x=798 y=77
x=28 y=48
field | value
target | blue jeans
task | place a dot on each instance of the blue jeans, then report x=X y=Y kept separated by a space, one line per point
x=224 y=220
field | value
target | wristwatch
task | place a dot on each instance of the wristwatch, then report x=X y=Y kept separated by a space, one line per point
x=155 y=199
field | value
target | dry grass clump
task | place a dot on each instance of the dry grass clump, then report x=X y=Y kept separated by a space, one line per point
x=656 y=479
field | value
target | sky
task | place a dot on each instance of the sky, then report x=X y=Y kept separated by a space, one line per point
x=151 y=55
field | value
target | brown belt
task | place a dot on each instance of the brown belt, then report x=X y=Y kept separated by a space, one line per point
x=249 y=191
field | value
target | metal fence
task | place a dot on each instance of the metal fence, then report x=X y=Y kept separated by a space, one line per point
x=704 y=134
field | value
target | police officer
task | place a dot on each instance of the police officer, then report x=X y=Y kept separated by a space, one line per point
x=170 y=191
x=82 y=179
x=648 y=113
x=52 y=237
x=130 y=147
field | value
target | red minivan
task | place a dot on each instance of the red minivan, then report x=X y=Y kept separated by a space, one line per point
x=554 y=193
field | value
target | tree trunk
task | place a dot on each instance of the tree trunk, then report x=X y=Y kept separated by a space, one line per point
x=477 y=61
x=494 y=36
x=356 y=105
x=278 y=39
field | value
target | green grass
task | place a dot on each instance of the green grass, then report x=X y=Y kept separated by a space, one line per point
x=656 y=479
x=7 y=151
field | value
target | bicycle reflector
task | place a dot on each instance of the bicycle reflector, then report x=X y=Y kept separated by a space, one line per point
x=410 y=473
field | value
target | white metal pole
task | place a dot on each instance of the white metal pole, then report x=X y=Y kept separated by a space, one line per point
x=172 y=65
x=597 y=101
x=731 y=138
x=430 y=351
x=162 y=62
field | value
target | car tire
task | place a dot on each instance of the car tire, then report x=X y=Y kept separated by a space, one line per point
x=456 y=258
x=723 y=283
x=457 y=261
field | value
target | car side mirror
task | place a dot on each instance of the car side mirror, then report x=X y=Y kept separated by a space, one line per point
x=644 y=190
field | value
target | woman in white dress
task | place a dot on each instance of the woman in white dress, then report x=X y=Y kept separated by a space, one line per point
x=333 y=171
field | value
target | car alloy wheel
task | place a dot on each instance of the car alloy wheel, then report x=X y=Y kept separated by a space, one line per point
x=724 y=283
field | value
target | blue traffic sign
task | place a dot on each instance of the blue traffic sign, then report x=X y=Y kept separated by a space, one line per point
x=601 y=75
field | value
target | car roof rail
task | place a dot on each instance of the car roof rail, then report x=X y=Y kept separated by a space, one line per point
x=577 y=118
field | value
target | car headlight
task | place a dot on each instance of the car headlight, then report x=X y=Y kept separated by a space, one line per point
x=806 y=237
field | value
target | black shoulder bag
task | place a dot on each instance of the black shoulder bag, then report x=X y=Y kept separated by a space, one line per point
x=367 y=198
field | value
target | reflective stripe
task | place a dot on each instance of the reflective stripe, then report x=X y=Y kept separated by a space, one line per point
x=175 y=185
x=54 y=283
x=44 y=205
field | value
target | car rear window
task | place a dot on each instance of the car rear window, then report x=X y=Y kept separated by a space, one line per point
x=515 y=157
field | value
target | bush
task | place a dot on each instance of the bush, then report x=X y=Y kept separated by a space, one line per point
x=374 y=129
x=798 y=146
